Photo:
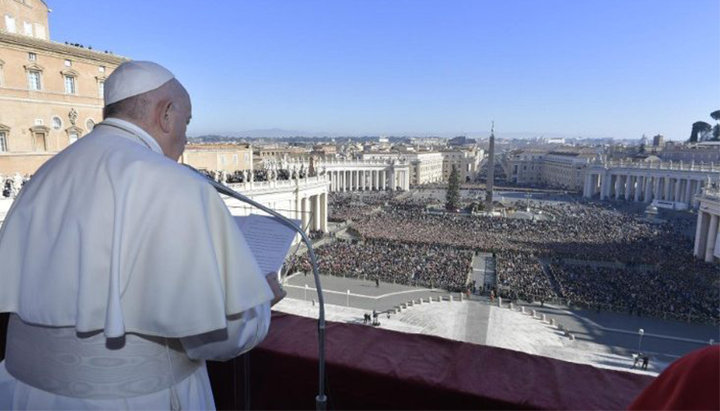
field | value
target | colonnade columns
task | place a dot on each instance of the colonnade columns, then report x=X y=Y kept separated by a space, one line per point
x=304 y=213
x=703 y=222
x=316 y=212
x=656 y=188
x=638 y=187
x=647 y=193
x=586 y=185
x=618 y=186
x=604 y=186
x=711 y=237
x=628 y=187
x=698 y=190
x=323 y=212
x=688 y=195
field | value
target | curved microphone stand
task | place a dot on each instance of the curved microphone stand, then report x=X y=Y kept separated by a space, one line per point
x=321 y=398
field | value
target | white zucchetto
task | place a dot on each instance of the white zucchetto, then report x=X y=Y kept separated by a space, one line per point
x=133 y=78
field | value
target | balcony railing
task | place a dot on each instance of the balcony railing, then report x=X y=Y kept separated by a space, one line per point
x=370 y=368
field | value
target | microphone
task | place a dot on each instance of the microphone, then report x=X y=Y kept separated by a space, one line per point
x=321 y=398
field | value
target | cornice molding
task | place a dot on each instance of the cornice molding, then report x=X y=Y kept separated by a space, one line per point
x=69 y=72
x=74 y=129
x=40 y=129
x=50 y=46
x=34 y=67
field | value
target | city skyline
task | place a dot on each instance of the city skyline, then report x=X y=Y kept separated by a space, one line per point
x=577 y=69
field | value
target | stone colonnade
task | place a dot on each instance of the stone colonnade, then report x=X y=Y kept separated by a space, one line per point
x=706 y=232
x=304 y=199
x=312 y=211
x=645 y=185
x=367 y=179
x=358 y=180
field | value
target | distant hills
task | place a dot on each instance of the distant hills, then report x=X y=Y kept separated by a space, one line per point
x=285 y=133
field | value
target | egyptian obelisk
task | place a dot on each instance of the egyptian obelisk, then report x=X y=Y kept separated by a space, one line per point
x=491 y=171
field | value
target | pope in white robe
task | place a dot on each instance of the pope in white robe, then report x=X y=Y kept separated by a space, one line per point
x=124 y=270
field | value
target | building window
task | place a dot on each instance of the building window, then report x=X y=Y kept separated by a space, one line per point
x=101 y=69
x=39 y=135
x=27 y=28
x=73 y=133
x=10 y=23
x=57 y=123
x=101 y=89
x=68 y=63
x=70 y=87
x=32 y=56
x=34 y=80
x=235 y=159
x=3 y=142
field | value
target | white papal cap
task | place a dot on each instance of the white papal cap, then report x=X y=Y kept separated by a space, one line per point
x=134 y=77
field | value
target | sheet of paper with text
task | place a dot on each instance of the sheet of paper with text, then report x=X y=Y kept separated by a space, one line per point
x=268 y=239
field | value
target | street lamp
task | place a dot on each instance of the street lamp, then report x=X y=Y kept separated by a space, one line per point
x=640 y=333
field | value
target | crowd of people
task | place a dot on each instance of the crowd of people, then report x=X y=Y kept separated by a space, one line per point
x=520 y=276
x=348 y=205
x=655 y=272
x=681 y=295
x=424 y=265
x=587 y=232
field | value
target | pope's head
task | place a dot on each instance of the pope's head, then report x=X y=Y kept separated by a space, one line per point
x=149 y=96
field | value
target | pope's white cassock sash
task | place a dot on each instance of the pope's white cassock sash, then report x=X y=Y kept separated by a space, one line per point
x=110 y=234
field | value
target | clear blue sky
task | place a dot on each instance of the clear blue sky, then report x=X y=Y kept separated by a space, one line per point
x=616 y=68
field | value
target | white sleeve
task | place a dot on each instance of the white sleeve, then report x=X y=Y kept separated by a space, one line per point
x=244 y=331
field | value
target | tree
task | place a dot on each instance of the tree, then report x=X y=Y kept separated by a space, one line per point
x=452 y=197
x=716 y=130
x=699 y=128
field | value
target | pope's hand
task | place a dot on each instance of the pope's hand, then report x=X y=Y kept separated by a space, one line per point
x=277 y=290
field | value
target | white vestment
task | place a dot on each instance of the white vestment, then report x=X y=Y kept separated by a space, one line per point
x=111 y=239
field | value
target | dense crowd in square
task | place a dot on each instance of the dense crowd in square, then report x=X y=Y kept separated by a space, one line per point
x=653 y=271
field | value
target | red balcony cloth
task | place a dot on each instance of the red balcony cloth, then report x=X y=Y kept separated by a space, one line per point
x=370 y=368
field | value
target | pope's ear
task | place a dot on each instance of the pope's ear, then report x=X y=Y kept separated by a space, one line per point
x=164 y=111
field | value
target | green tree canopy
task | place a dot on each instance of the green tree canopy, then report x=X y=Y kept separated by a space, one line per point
x=716 y=129
x=698 y=128
x=452 y=197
